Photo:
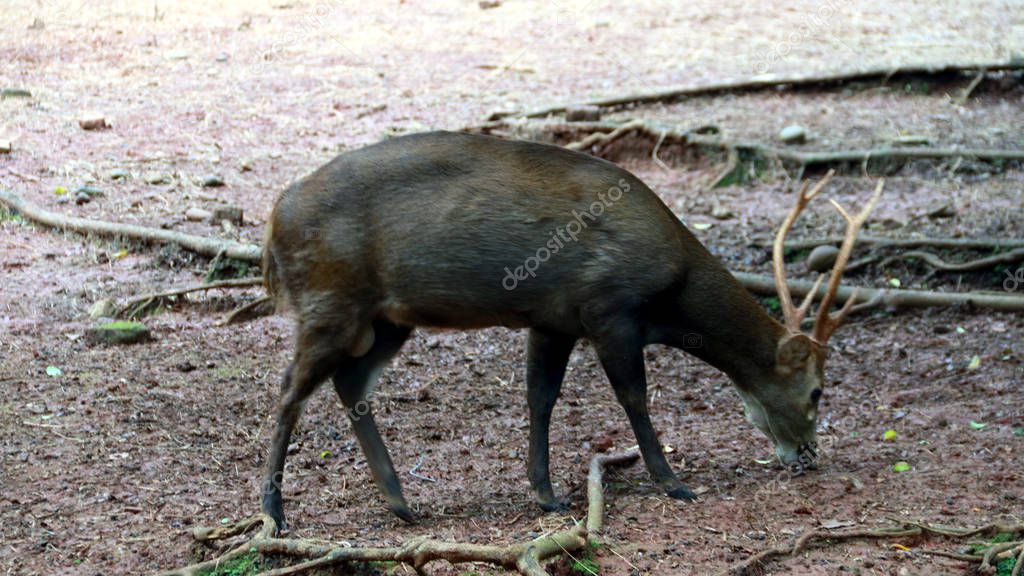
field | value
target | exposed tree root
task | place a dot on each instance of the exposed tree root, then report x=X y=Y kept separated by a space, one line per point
x=198 y=244
x=525 y=557
x=880 y=242
x=994 y=553
x=874 y=297
x=768 y=81
x=603 y=133
x=939 y=264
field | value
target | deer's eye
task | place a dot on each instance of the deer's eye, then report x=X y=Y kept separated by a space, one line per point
x=815 y=396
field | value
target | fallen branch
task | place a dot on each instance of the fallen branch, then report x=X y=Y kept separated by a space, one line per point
x=904 y=530
x=763 y=82
x=765 y=285
x=880 y=242
x=524 y=557
x=198 y=244
x=601 y=133
x=134 y=307
x=262 y=306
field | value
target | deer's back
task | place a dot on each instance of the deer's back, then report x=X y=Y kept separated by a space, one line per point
x=426 y=229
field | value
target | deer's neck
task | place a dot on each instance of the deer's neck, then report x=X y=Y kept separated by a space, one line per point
x=717 y=320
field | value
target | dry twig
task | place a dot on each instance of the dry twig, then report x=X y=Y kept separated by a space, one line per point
x=134 y=307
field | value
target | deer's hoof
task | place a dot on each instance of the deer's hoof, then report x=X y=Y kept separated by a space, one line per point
x=681 y=493
x=403 y=512
x=555 y=505
x=275 y=509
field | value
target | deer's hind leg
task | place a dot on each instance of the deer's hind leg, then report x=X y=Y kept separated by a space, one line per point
x=353 y=381
x=316 y=356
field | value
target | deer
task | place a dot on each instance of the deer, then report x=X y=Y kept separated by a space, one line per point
x=427 y=230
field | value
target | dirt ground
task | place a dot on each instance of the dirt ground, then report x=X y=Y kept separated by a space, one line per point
x=107 y=467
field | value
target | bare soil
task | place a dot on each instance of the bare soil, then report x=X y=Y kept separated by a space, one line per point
x=106 y=467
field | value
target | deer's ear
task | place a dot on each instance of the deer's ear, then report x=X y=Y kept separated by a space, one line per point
x=793 y=353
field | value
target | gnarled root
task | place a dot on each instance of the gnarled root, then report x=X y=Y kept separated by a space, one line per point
x=986 y=560
x=525 y=557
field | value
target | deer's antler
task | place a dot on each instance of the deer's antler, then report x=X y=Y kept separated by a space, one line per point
x=825 y=323
x=794 y=316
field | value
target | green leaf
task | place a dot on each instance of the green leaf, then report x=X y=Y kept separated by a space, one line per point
x=1018 y=431
x=978 y=425
x=325 y=454
x=53 y=371
x=975 y=363
x=900 y=467
x=889 y=435
x=895 y=282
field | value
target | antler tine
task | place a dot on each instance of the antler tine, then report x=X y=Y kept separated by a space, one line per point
x=792 y=314
x=842 y=211
x=825 y=323
x=809 y=298
x=819 y=186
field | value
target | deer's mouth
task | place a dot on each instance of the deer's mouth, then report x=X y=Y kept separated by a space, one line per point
x=806 y=458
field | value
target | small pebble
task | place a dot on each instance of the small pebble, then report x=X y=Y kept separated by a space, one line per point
x=14 y=93
x=230 y=213
x=6 y=146
x=910 y=140
x=104 y=308
x=720 y=212
x=118 y=174
x=156 y=178
x=198 y=215
x=793 y=134
x=93 y=122
x=822 y=258
x=213 y=181
x=114 y=333
x=91 y=191
x=941 y=211
x=82 y=198
x=583 y=114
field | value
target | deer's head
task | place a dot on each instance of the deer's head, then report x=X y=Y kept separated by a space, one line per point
x=784 y=402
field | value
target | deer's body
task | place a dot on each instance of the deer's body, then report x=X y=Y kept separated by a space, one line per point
x=461 y=231
x=425 y=231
